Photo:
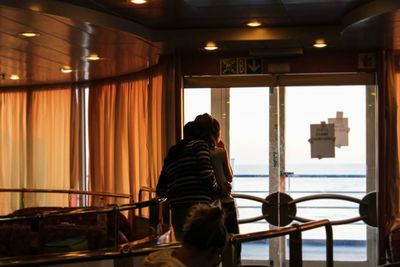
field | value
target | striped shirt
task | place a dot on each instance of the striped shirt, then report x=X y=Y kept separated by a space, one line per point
x=187 y=176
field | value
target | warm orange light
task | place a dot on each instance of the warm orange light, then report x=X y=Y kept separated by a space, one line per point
x=254 y=23
x=29 y=34
x=210 y=46
x=93 y=57
x=14 y=77
x=138 y=2
x=66 y=69
x=320 y=43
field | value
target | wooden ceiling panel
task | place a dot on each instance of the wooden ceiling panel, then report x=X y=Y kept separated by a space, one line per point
x=130 y=38
x=66 y=42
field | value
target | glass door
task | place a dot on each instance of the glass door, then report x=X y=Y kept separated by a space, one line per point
x=340 y=169
x=243 y=113
x=267 y=133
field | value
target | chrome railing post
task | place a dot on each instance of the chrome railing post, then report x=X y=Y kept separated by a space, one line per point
x=329 y=245
x=229 y=253
x=22 y=199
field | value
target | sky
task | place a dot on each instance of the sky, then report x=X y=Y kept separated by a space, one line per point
x=249 y=124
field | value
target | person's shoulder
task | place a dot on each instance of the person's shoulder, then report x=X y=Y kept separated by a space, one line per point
x=220 y=151
x=162 y=258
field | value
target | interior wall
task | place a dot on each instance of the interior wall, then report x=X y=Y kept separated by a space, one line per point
x=328 y=61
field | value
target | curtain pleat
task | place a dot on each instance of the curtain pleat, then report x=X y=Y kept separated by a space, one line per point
x=49 y=145
x=138 y=135
x=101 y=139
x=156 y=142
x=132 y=123
x=13 y=133
x=34 y=146
x=389 y=134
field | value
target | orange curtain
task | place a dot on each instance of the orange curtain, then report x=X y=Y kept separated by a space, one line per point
x=49 y=145
x=132 y=122
x=35 y=145
x=13 y=134
x=102 y=98
x=156 y=134
x=389 y=134
x=134 y=126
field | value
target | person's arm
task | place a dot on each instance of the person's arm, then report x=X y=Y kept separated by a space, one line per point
x=227 y=167
x=162 y=184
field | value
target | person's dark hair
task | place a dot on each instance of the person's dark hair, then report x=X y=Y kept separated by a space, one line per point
x=204 y=125
x=204 y=227
x=215 y=130
x=189 y=130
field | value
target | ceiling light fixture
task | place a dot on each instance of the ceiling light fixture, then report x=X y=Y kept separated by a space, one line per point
x=210 y=46
x=254 y=23
x=93 y=57
x=66 y=69
x=138 y=2
x=14 y=77
x=320 y=43
x=29 y=34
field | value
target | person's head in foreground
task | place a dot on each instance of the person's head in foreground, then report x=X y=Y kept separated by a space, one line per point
x=204 y=239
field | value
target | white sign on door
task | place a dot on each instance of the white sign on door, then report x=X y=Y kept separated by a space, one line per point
x=322 y=140
x=341 y=129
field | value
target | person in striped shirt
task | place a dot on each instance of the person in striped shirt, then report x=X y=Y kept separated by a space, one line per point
x=187 y=176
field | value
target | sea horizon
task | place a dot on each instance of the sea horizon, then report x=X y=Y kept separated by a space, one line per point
x=303 y=169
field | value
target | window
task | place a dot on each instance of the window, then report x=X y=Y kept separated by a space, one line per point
x=247 y=120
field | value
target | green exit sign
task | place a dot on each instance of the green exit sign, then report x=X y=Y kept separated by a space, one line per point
x=243 y=65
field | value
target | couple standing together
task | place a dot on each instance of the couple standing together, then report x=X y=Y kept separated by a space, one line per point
x=197 y=170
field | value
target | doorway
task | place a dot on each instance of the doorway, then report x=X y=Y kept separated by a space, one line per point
x=267 y=132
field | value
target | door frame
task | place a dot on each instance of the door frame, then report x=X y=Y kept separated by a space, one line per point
x=276 y=83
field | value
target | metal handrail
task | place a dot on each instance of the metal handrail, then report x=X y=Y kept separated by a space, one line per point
x=63 y=191
x=289 y=210
x=295 y=242
x=149 y=190
x=84 y=211
x=120 y=252
x=114 y=209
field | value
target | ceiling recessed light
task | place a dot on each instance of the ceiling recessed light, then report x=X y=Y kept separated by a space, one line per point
x=14 y=77
x=254 y=23
x=93 y=57
x=210 y=46
x=138 y=2
x=320 y=43
x=29 y=34
x=66 y=69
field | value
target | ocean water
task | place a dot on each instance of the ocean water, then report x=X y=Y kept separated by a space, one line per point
x=302 y=169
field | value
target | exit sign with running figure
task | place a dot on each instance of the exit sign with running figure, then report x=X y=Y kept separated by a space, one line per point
x=239 y=66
